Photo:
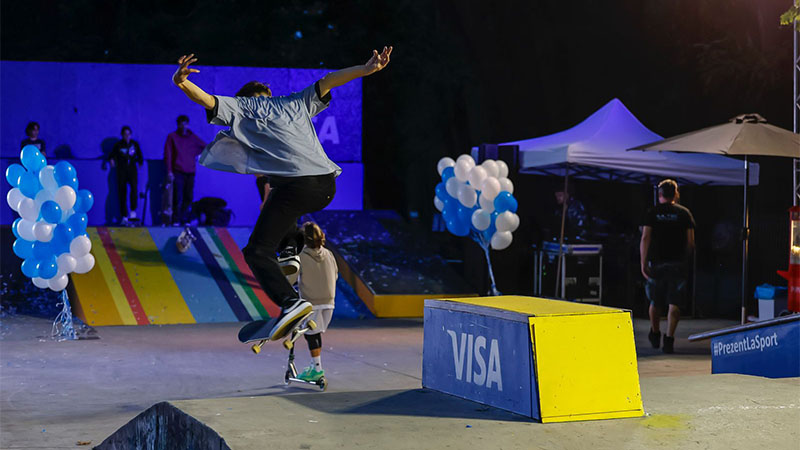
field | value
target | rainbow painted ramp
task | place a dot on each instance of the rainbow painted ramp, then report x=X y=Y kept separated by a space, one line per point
x=139 y=278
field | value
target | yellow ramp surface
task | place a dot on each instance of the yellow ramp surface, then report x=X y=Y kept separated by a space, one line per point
x=586 y=366
x=534 y=306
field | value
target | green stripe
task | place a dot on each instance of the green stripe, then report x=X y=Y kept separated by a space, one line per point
x=239 y=275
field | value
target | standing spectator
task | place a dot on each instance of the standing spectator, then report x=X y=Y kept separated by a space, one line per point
x=180 y=156
x=126 y=156
x=666 y=246
x=32 y=131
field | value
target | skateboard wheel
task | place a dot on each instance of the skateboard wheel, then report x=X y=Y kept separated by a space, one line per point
x=256 y=348
x=312 y=325
x=287 y=344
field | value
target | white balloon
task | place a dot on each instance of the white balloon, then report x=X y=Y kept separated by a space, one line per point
x=490 y=188
x=515 y=223
x=467 y=195
x=28 y=209
x=48 y=179
x=85 y=263
x=462 y=171
x=506 y=185
x=467 y=158
x=438 y=203
x=491 y=168
x=58 y=283
x=65 y=197
x=444 y=163
x=39 y=282
x=80 y=246
x=486 y=204
x=476 y=176
x=481 y=219
x=43 y=196
x=504 y=221
x=501 y=240
x=25 y=229
x=452 y=186
x=43 y=231
x=502 y=169
x=14 y=198
x=66 y=263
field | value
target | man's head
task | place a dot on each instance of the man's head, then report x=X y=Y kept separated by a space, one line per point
x=32 y=130
x=668 y=191
x=183 y=124
x=561 y=196
x=254 y=89
x=126 y=133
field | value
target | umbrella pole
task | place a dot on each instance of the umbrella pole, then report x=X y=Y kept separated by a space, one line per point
x=561 y=238
x=745 y=237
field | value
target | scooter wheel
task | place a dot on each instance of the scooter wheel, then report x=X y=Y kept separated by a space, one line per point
x=286 y=377
x=323 y=384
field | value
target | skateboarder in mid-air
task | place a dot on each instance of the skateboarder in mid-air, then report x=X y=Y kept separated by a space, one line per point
x=274 y=136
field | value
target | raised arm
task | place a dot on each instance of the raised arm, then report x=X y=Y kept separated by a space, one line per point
x=335 y=79
x=180 y=78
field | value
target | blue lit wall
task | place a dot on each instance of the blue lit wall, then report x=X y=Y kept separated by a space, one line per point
x=82 y=106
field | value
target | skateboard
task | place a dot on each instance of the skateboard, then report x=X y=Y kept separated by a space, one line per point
x=185 y=239
x=259 y=331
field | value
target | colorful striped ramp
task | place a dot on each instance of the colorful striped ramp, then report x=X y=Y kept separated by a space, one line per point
x=139 y=278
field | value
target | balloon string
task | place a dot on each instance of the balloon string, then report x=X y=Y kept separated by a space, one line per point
x=63 y=329
x=484 y=244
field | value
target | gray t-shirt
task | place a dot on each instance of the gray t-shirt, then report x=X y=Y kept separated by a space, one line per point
x=269 y=135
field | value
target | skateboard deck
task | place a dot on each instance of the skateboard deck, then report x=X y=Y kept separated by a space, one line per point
x=259 y=329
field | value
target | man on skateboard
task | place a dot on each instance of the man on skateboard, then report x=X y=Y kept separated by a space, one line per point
x=274 y=136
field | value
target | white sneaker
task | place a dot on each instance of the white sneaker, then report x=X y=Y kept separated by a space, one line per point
x=289 y=315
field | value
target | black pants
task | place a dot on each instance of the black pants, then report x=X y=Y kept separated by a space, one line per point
x=182 y=195
x=127 y=177
x=290 y=198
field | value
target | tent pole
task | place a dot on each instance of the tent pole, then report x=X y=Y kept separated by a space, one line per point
x=745 y=237
x=561 y=238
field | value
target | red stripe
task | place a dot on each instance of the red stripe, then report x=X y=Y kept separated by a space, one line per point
x=122 y=276
x=227 y=240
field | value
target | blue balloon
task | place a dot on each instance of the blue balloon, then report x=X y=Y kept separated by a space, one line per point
x=29 y=184
x=14 y=227
x=62 y=235
x=448 y=173
x=32 y=158
x=64 y=174
x=14 y=173
x=29 y=268
x=505 y=201
x=457 y=227
x=78 y=223
x=51 y=212
x=441 y=191
x=489 y=232
x=47 y=268
x=84 y=201
x=41 y=250
x=23 y=248
x=465 y=215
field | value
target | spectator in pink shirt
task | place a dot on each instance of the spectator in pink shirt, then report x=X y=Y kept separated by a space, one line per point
x=180 y=157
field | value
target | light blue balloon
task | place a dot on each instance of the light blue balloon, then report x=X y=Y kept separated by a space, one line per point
x=64 y=174
x=51 y=212
x=29 y=184
x=47 y=268
x=29 y=268
x=84 y=202
x=23 y=248
x=14 y=173
x=32 y=158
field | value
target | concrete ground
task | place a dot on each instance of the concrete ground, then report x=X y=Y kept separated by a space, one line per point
x=59 y=394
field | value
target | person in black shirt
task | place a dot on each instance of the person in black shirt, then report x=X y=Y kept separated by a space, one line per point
x=32 y=131
x=125 y=156
x=667 y=243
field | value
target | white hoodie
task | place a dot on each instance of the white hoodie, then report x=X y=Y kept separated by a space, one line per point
x=318 y=273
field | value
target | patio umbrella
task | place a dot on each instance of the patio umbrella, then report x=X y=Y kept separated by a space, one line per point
x=745 y=135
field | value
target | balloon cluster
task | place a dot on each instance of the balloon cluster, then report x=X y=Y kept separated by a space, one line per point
x=51 y=230
x=477 y=200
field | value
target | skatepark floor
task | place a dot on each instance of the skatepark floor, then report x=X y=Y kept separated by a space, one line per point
x=61 y=394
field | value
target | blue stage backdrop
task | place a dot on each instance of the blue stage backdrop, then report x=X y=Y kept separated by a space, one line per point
x=81 y=108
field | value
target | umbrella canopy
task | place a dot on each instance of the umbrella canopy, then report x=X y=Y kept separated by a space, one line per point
x=748 y=134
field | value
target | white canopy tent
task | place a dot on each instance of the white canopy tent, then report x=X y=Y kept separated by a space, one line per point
x=596 y=149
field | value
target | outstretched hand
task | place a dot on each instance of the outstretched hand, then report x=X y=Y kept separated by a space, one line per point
x=183 y=71
x=378 y=61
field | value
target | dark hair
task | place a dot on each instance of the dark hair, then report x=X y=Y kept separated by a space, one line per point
x=668 y=189
x=183 y=118
x=125 y=127
x=31 y=126
x=313 y=235
x=252 y=88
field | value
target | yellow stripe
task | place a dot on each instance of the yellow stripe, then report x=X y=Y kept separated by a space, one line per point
x=158 y=294
x=103 y=262
x=534 y=306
